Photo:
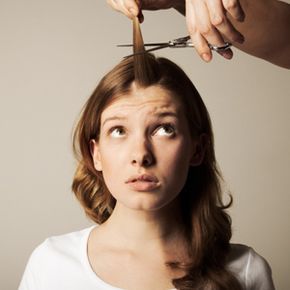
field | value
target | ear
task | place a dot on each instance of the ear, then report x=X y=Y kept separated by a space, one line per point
x=95 y=152
x=200 y=144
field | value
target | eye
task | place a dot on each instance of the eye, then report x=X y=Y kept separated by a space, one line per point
x=165 y=130
x=117 y=132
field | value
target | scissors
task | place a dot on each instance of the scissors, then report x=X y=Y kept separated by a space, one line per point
x=176 y=43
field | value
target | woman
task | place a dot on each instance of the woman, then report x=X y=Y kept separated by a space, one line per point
x=148 y=177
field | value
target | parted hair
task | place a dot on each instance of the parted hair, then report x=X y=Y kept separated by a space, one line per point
x=207 y=226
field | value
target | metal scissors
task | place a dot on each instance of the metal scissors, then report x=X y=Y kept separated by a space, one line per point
x=176 y=43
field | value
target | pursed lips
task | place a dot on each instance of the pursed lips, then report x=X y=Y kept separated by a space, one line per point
x=143 y=177
x=143 y=182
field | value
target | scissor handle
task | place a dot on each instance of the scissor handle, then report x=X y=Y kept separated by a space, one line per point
x=179 y=42
x=185 y=42
x=226 y=46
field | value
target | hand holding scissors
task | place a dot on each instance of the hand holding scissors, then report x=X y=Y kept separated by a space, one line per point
x=207 y=20
x=177 y=43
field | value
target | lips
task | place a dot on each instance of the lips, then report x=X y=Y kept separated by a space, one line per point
x=144 y=182
x=143 y=177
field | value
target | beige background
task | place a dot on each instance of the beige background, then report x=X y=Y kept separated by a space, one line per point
x=52 y=55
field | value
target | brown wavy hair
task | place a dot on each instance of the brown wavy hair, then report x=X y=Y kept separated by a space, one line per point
x=207 y=225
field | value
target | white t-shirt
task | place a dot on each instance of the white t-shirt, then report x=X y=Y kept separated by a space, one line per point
x=61 y=263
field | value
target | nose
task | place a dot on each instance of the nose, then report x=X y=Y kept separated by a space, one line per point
x=141 y=154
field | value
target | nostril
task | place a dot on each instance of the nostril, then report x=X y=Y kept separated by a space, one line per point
x=148 y=160
x=145 y=161
x=142 y=156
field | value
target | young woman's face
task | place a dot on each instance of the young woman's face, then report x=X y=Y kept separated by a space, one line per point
x=144 y=149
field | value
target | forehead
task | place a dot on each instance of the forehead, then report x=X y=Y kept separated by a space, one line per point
x=151 y=100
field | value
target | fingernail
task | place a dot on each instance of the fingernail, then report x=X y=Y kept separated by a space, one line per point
x=206 y=57
x=228 y=54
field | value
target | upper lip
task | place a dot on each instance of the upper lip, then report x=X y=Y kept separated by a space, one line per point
x=142 y=177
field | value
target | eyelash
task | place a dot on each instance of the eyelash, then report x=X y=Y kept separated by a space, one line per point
x=114 y=128
x=166 y=126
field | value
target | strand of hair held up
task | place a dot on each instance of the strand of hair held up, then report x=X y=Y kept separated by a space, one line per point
x=143 y=69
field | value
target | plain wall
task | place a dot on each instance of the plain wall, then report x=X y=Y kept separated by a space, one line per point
x=54 y=52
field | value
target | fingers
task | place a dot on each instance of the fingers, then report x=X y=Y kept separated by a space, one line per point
x=234 y=8
x=206 y=20
x=207 y=23
x=127 y=7
x=219 y=20
x=204 y=25
x=202 y=32
x=198 y=40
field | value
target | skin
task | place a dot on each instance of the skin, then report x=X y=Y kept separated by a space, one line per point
x=139 y=142
x=257 y=27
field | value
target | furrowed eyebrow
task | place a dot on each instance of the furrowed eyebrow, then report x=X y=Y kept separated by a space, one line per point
x=158 y=115
x=166 y=114
x=118 y=118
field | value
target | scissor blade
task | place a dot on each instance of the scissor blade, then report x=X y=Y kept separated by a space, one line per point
x=158 y=47
x=146 y=44
x=148 y=50
x=157 y=44
x=124 y=45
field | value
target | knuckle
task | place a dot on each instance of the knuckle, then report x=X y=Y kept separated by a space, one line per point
x=230 y=4
x=218 y=20
x=192 y=29
x=128 y=4
x=205 y=30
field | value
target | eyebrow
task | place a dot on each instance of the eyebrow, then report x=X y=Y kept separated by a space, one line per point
x=113 y=118
x=165 y=114
x=158 y=115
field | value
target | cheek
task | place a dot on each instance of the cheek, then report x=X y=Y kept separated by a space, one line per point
x=112 y=159
x=176 y=160
x=177 y=153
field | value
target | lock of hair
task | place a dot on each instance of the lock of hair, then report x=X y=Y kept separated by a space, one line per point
x=144 y=70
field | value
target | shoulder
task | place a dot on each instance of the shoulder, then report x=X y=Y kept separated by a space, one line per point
x=250 y=268
x=53 y=258
x=67 y=242
x=61 y=245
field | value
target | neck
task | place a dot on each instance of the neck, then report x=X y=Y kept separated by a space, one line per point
x=133 y=227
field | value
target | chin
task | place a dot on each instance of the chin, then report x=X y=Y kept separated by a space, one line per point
x=146 y=202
